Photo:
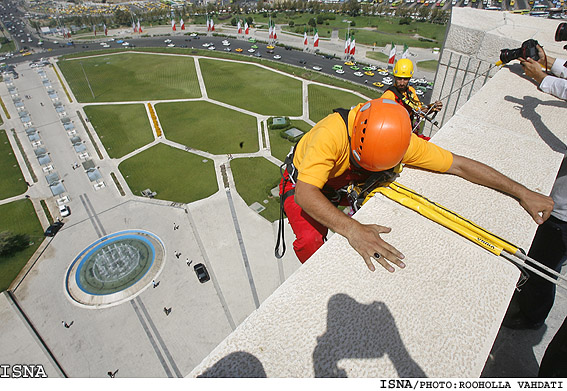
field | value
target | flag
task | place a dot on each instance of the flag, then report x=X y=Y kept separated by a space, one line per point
x=316 y=39
x=139 y=27
x=239 y=28
x=392 y=58
x=134 y=27
x=246 y=28
x=305 y=37
x=275 y=35
x=352 y=46
x=212 y=25
x=173 y=25
x=271 y=32
x=105 y=30
x=182 y=23
x=347 y=44
x=405 y=54
x=94 y=29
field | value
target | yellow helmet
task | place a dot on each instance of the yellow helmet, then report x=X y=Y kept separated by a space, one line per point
x=403 y=68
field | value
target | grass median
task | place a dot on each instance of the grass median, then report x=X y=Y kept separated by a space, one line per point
x=175 y=175
x=12 y=181
x=18 y=217
x=121 y=128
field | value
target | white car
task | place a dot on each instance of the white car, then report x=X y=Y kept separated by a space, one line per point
x=340 y=71
x=206 y=45
x=225 y=43
x=383 y=73
x=251 y=50
x=387 y=79
x=359 y=74
x=167 y=41
x=193 y=34
x=387 y=82
x=373 y=68
x=211 y=48
x=170 y=45
x=317 y=68
x=419 y=92
x=125 y=44
x=64 y=210
x=277 y=57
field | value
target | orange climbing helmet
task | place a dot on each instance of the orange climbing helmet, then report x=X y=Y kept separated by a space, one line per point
x=381 y=135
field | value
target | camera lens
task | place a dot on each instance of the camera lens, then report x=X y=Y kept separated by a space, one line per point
x=507 y=55
x=561 y=32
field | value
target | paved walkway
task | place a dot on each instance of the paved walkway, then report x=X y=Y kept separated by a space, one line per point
x=221 y=231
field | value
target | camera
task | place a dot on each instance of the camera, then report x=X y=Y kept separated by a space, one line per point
x=528 y=49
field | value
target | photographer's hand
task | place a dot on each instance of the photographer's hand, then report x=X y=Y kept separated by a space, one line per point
x=545 y=60
x=533 y=69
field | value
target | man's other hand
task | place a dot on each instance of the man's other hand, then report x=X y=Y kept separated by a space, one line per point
x=539 y=206
x=366 y=240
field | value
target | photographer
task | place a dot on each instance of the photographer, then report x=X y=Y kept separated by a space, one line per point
x=549 y=247
x=556 y=86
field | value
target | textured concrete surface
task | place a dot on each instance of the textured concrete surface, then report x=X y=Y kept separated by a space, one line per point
x=440 y=316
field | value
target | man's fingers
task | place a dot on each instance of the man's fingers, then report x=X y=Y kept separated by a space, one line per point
x=381 y=229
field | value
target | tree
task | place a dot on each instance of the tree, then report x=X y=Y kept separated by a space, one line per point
x=353 y=7
x=312 y=22
x=233 y=22
x=11 y=242
x=291 y=23
x=249 y=20
x=320 y=19
x=122 y=17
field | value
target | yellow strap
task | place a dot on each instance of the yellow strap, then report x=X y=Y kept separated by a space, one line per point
x=431 y=214
x=508 y=247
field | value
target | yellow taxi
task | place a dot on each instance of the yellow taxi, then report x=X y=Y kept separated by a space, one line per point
x=378 y=84
x=369 y=73
x=349 y=63
x=239 y=50
x=270 y=47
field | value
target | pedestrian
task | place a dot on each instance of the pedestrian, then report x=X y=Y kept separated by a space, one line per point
x=155 y=284
x=67 y=325
x=112 y=374
x=189 y=262
x=167 y=310
x=41 y=103
x=177 y=255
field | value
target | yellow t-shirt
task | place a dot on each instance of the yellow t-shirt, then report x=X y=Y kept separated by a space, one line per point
x=323 y=152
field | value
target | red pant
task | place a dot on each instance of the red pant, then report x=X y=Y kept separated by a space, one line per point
x=309 y=233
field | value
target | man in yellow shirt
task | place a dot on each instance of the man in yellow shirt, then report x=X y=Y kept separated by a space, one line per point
x=378 y=138
x=405 y=94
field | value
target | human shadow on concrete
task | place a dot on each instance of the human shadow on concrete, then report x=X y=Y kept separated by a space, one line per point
x=528 y=106
x=237 y=364
x=360 y=331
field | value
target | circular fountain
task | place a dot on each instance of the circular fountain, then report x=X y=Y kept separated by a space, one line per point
x=115 y=268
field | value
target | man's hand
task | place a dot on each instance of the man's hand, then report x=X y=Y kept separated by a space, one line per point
x=366 y=240
x=537 y=205
x=436 y=106
x=533 y=69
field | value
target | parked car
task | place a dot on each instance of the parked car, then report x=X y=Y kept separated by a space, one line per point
x=202 y=273
x=64 y=210
x=53 y=228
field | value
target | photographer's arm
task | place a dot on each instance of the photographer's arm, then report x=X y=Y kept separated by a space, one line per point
x=549 y=84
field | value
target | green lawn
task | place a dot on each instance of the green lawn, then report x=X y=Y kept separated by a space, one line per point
x=175 y=175
x=322 y=101
x=121 y=128
x=378 y=56
x=381 y=39
x=254 y=178
x=430 y=65
x=131 y=77
x=18 y=217
x=208 y=127
x=280 y=146
x=12 y=181
x=252 y=88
